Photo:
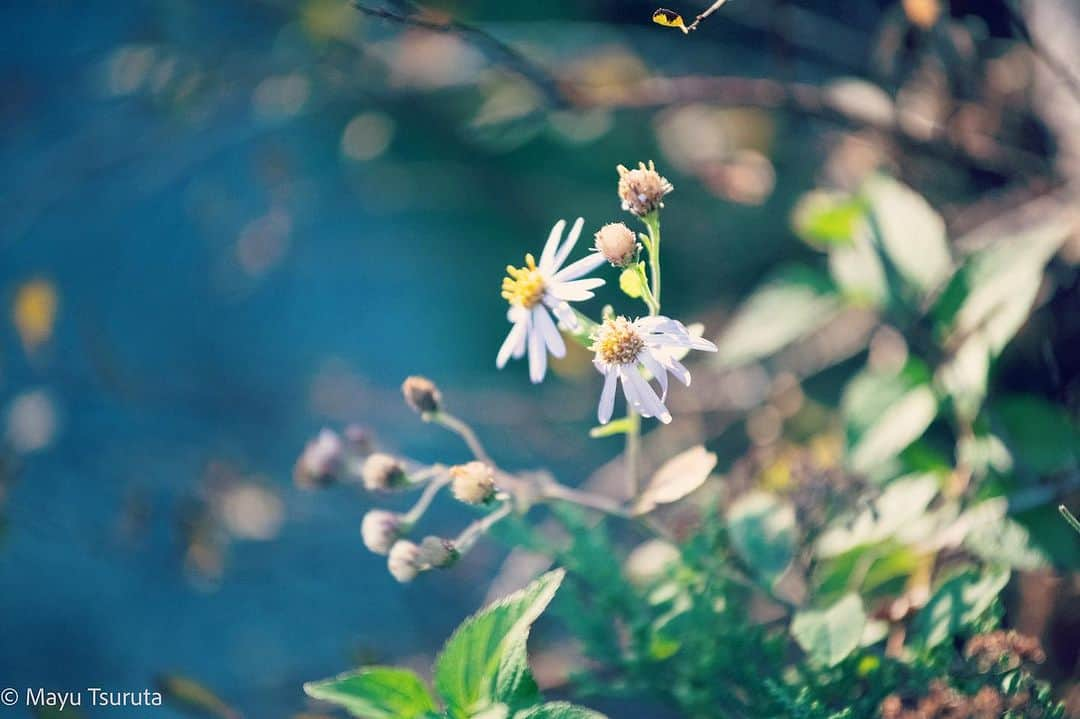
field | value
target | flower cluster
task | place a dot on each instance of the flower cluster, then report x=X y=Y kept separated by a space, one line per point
x=638 y=354
x=632 y=353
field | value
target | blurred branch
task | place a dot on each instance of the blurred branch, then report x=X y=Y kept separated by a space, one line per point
x=1055 y=64
x=497 y=50
x=978 y=151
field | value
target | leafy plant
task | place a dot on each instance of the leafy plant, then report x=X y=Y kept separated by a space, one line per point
x=483 y=671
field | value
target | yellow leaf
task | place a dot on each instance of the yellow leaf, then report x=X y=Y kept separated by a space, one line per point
x=669 y=18
x=34 y=312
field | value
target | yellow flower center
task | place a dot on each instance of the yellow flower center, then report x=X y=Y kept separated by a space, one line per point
x=525 y=285
x=617 y=341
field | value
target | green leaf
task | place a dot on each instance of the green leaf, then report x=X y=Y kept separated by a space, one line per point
x=474 y=663
x=677 y=478
x=910 y=233
x=618 y=426
x=795 y=303
x=828 y=636
x=857 y=270
x=825 y=220
x=957 y=603
x=559 y=710
x=992 y=292
x=885 y=412
x=1006 y=543
x=1042 y=435
x=376 y=693
x=762 y=530
x=902 y=503
x=514 y=682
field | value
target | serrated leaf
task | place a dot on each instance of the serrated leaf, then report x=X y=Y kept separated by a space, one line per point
x=514 y=684
x=885 y=412
x=469 y=668
x=795 y=303
x=762 y=530
x=677 y=478
x=828 y=636
x=376 y=693
x=559 y=710
x=910 y=232
x=958 y=602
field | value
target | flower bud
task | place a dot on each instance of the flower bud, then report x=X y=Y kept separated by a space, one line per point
x=642 y=190
x=617 y=243
x=421 y=394
x=321 y=461
x=358 y=439
x=382 y=472
x=438 y=552
x=473 y=483
x=380 y=529
x=404 y=561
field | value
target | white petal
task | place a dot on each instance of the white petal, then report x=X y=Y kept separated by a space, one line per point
x=607 y=397
x=563 y=313
x=576 y=291
x=657 y=370
x=650 y=404
x=547 y=257
x=571 y=240
x=584 y=266
x=537 y=356
x=542 y=322
x=513 y=345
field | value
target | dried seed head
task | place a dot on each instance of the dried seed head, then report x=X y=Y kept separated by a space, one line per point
x=321 y=461
x=381 y=529
x=617 y=341
x=382 y=472
x=642 y=190
x=617 y=243
x=438 y=552
x=421 y=394
x=474 y=483
x=404 y=561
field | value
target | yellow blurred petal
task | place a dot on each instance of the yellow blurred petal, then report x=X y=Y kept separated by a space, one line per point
x=34 y=312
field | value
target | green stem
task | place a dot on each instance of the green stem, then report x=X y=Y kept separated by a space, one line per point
x=1069 y=517
x=413 y=515
x=463 y=430
x=652 y=222
x=477 y=529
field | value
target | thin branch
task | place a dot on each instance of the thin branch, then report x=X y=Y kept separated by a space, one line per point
x=496 y=49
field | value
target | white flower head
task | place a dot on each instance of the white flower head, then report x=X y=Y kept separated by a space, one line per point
x=623 y=348
x=536 y=291
x=381 y=529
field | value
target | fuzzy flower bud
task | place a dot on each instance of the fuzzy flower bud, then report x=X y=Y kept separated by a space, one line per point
x=642 y=190
x=473 y=483
x=321 y=461
x=421 y=394
x=404 y=561
x=438 y=552
x=382 y=472
x=381 y=529
x=617 y=243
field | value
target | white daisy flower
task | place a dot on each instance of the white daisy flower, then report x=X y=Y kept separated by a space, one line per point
x=623 y=348
x=536 y=289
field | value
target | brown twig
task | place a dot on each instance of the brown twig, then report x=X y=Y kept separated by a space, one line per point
x=496 y=49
